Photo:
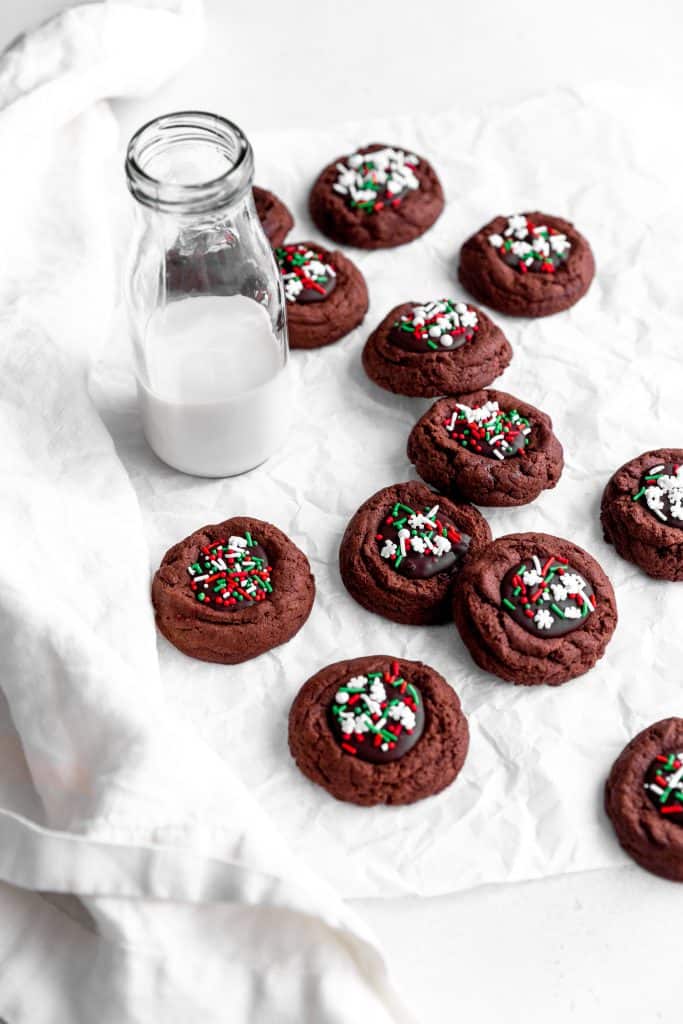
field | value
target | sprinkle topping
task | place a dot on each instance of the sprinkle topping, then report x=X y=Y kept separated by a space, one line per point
x=435 y=326
x=546 y=596
x=377 y=717
x=306 y=276
x=661 y=491
x=664 y=786
x=531 y=247
x=420 y=544
x=231 y=575
x=371 y=181
x=488 y=430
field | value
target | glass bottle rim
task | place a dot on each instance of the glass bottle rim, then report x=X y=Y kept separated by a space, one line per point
x=161 y=133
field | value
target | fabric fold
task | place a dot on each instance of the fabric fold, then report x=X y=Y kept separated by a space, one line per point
x=166 y=849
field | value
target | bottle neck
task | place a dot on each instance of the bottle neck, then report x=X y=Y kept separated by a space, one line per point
x=189 y=163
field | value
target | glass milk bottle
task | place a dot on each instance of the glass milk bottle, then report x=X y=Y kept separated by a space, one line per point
x=205 y=299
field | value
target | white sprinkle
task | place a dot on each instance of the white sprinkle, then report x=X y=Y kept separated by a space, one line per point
x=403 y=536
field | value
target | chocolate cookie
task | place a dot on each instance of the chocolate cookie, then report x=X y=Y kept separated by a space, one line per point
x=379 y=196
x=403 y=551
x=275 y=218
x=530 y=264
x=435 y=348
x=326 y=294
x=378 y=730
x=644 y=798
x=487 y=447
x=642 y=512
x=231 y=591
x=533 y=609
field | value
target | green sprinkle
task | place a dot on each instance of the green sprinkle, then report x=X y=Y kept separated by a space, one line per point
x=508 y=604
x=558 y=611
x=640 y=493
x=432 y=344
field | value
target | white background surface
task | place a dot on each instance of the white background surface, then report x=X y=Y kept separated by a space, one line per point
x=578 y=948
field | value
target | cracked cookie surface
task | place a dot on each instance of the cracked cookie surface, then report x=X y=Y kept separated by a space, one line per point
x=508 y=285
x=341 y=212
x=487 y=447
x=339 y=305
x=275 y=217
x=468 y=361
x=642 y=512
x=400 y=698
x=500 y=644
x=232 y=591
x=644 y=798
x=378 y=572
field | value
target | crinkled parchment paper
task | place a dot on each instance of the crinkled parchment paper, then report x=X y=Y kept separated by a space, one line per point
x=528 y=801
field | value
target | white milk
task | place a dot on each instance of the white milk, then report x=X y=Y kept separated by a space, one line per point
x=217 y=401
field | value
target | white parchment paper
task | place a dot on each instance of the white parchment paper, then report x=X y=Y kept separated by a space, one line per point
x=528 y=801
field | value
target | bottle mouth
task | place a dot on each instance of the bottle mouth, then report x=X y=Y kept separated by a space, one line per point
x=188 y=162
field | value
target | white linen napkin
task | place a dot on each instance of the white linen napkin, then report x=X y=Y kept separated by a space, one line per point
x=183 y=903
